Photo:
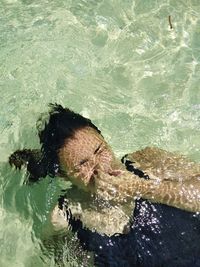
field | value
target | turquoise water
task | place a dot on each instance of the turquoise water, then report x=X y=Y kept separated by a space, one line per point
x=116 y=62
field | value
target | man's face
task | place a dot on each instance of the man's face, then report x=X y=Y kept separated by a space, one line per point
x=85 y=155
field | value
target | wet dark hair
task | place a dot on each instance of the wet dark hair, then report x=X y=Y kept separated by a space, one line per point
x=61 y=126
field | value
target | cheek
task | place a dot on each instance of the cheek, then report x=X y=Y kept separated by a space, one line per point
x=105 y=159
x=85 y=169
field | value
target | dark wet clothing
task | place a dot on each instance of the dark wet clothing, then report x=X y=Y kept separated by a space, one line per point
x=160 y=236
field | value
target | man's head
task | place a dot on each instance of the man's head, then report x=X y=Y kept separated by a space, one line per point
x=74 y=144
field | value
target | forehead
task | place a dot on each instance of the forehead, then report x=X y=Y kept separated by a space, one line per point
x=84 y=142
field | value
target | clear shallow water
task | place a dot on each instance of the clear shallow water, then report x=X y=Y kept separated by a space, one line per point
x=117 y=62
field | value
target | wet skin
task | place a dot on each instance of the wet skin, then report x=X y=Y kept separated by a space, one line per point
x=90 y=163
x=82 y=159
x=86 y=155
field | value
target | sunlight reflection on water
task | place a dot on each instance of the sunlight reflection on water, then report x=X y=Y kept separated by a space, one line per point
x=118 y=63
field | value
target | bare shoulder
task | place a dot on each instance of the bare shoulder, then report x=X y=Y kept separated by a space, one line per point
x=164 y=164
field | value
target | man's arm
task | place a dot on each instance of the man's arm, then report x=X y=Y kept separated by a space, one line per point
x=162 y=164
x=122 y=189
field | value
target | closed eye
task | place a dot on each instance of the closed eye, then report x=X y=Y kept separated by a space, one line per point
x=97 y=149
x=83 y=161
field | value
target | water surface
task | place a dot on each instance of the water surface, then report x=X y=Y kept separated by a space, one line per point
x=116 y=62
